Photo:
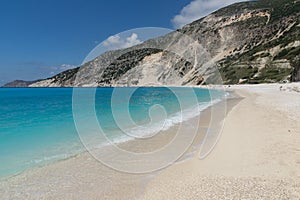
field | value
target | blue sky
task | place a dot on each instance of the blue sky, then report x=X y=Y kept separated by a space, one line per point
x=40 y=38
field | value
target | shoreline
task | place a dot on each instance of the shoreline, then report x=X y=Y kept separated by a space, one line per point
x=257 y=156
x=124 y=142
x=95 y=166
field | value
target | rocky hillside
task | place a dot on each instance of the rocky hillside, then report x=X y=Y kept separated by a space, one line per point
x=248 y=42
x=20 y=83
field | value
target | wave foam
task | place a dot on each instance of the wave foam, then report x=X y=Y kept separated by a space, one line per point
x=174 y=119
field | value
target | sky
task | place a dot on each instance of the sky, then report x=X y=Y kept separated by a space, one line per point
x=42 y=38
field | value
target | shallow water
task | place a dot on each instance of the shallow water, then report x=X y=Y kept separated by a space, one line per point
x=37 y=125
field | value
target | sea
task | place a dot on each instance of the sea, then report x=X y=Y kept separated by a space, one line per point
x=37 y=125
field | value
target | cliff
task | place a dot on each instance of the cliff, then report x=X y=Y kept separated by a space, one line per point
x=248 y=42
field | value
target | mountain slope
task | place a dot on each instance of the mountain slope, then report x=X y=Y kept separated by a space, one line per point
x=19 y=83
x=253 y=42
x=248 y=42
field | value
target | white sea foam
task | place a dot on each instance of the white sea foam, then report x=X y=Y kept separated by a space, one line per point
x=174 y=119
x=141 y=131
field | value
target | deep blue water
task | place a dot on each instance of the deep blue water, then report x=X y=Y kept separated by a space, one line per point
x=37 y=125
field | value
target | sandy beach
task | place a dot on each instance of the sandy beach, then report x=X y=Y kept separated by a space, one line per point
x=256 y=157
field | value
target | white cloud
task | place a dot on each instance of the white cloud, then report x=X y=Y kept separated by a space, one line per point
x=197 y=9
x=57 y=69
x=116 y=42
x=66 y=67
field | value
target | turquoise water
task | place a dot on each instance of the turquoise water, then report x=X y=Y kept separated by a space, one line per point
x=37 y=125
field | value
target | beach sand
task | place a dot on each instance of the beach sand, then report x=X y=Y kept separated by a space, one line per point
x=256 y=157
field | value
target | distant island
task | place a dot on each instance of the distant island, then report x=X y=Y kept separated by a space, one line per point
x=249 y=42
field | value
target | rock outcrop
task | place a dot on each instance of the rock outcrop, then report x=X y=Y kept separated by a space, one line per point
x=248 y=42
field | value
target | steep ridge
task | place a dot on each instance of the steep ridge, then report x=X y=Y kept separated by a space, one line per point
x=248 y=42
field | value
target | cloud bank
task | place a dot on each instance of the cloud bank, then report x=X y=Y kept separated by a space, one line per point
x=197 y=9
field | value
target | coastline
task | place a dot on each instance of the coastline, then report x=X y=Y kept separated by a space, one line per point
x=84 y=167
x=257 y=156
x=188 y=114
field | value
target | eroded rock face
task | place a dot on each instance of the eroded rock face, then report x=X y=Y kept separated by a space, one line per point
x=253 y=41
x=64 y=79
x=249 y=42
